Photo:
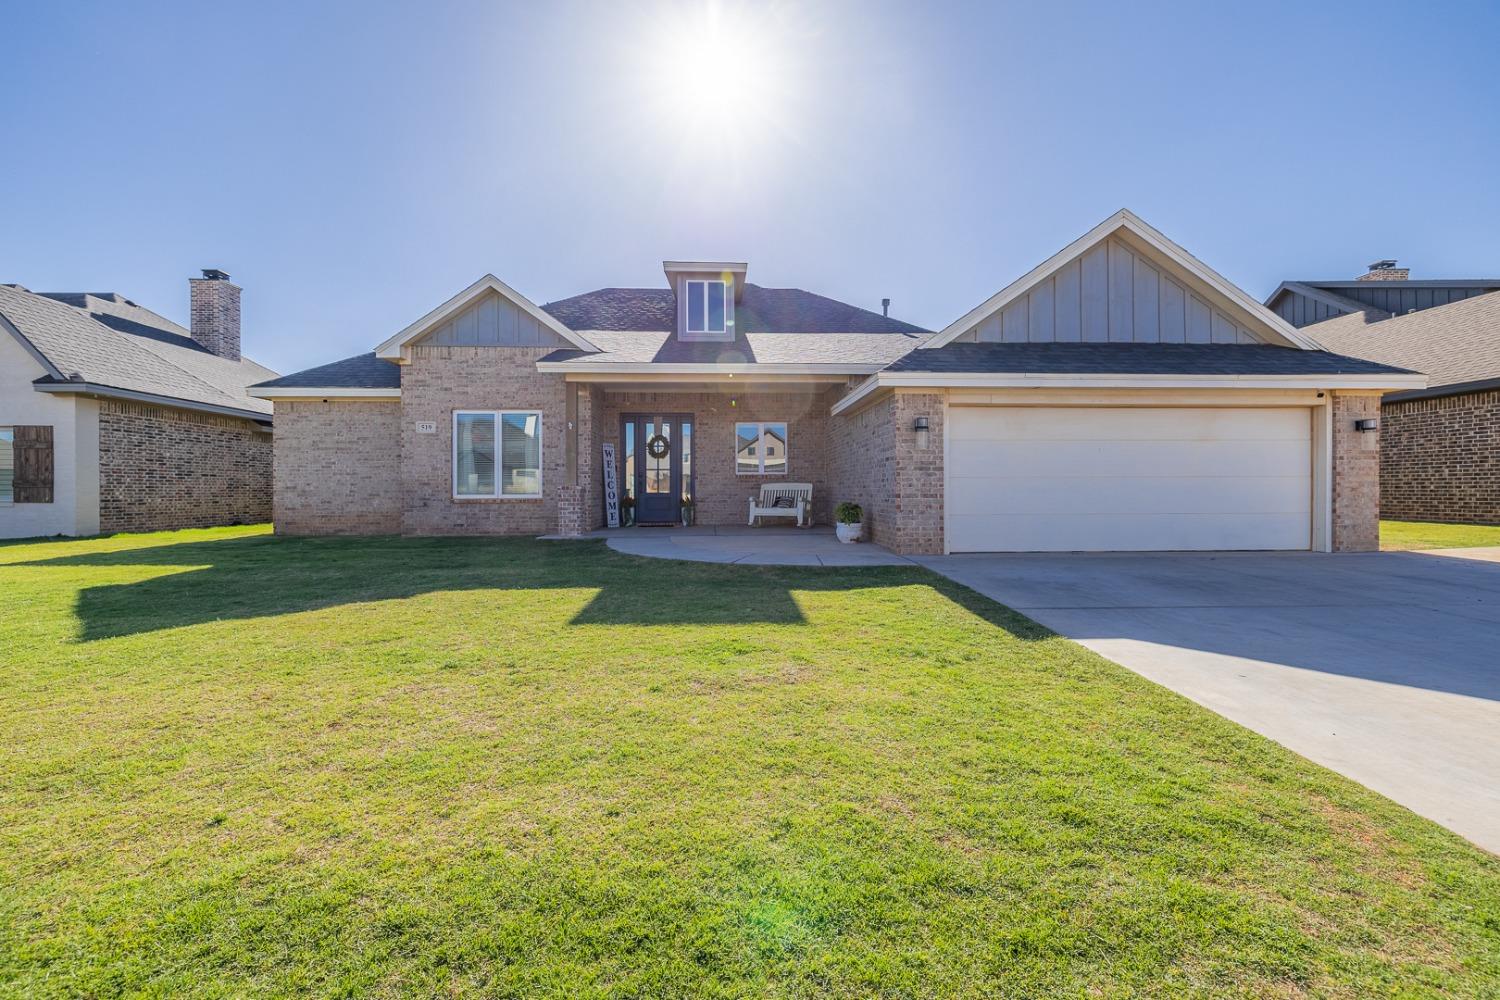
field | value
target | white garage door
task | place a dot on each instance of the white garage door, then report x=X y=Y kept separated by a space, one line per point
x=1059 y=479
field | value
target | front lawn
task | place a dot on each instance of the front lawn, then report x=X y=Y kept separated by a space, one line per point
x=1398 y=535
x=234 y=764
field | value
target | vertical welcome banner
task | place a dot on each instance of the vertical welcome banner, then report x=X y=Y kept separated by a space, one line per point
x=611 y=488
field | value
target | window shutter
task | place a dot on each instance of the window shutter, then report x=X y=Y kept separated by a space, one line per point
x=33 y=448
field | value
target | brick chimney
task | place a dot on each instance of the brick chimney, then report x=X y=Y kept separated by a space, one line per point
x=1385 y=270
x=216 y=313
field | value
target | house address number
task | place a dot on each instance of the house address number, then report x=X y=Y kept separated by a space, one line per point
x=426 y=426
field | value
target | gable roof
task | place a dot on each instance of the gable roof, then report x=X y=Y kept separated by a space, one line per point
x=1277 y=329
x=759 y=310
x=103 y=343
x=1456 y=345
x=391 y=348
x=786 y=330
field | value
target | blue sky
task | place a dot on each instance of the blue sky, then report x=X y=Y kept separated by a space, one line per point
x=352 y=165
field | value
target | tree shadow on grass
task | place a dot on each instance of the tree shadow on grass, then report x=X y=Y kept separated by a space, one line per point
x=266 y=576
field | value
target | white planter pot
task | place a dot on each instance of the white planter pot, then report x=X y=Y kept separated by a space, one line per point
x=850 y=532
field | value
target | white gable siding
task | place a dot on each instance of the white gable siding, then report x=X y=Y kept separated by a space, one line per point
x=492 y=321
x=74 y=509
x=1110 y=294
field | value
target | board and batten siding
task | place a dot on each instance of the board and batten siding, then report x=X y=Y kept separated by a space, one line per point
x=1405 y=299
x=1110 y=294
x=1391 y=296
x=1303 y=310
x=493 y=321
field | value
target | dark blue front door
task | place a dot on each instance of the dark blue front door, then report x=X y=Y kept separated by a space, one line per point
x=660 y=482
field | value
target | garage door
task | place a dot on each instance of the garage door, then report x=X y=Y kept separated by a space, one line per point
x=1058 y=479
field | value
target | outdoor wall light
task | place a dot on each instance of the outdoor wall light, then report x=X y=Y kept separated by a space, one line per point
x=920 y=426
x=1367 y=424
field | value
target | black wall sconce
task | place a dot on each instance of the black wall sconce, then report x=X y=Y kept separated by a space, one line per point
x=1367 y=424
x=920 y=426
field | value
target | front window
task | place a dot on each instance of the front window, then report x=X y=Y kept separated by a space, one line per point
x=706 y=306
x=760 y=449
x=7 y=465
x=497 y=453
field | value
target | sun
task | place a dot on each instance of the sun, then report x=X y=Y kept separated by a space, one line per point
x=710 y=61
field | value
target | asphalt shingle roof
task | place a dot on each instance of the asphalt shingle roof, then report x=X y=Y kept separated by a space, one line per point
x=110 y=341
x=1452 y=344
x=759 y=310
x=1133 y=359
x=363 y=371
x=858 y=349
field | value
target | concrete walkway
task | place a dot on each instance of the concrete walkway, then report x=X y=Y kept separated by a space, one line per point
x=1383 y=666
x=771 y=546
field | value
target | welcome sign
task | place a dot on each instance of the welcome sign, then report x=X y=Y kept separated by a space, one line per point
x=611 y=488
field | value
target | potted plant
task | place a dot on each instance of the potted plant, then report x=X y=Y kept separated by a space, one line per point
x=627 y=511
x=687 y=512
x=851 y=521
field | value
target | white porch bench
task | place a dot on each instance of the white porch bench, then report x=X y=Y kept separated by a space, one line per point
x=800 y=506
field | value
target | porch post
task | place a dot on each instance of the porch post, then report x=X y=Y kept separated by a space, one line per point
x=575 y=498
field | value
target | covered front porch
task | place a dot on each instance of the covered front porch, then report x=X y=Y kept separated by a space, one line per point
x=697 y=451
x=768 y=546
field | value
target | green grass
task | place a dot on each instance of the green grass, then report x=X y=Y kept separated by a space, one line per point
x=1398 y=535
x=237 y=765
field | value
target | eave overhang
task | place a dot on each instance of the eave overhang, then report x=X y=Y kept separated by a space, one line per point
x=882 y=381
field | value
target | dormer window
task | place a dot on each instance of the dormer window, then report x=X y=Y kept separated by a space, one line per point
x=705 y=306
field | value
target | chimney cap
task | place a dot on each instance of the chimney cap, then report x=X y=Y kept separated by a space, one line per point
x=1379 y=265
x=214 y=274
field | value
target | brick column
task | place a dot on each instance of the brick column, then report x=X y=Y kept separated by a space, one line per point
x=1356 y=474
x=576 y=501
x=919 y=476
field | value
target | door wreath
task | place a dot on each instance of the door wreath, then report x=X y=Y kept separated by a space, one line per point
x=658 y=447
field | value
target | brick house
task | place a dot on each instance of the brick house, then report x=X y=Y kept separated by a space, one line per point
x=113 y=418
x=1440 y=445
x=1119 y=396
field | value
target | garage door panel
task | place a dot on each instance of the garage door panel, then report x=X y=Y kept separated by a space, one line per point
x=1114 y=459
x=1128 y=478
x=1179 y=495
x=1152 y=532
x=1051 y=423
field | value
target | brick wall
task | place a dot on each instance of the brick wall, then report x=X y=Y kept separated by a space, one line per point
x=440 y=380
x=1440 y=459
x=862 y=465
x=163 y=468
x=919 y=475
x=1356 y=474
x=877 y=464
x=720 y=494
x=337 y=467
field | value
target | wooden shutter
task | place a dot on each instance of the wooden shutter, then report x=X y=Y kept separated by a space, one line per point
x=33 y=450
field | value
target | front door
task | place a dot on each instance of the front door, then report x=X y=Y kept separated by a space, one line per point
x=662 y=477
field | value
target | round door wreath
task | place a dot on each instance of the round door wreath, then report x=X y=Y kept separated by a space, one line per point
x=658 y=447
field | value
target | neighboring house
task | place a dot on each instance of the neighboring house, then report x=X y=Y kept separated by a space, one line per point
x=1120 y=396
x=1440 y=445
x=113 y=418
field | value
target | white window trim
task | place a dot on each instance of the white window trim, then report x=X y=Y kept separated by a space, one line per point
x=760 y=458
x=687 y=319
x=499 y=493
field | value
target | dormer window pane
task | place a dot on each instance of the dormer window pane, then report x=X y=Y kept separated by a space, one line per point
x=695 y=306
x=705 y=306
x=715 y=291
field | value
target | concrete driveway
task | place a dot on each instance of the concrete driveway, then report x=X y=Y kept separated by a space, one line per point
x=1383 y=666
